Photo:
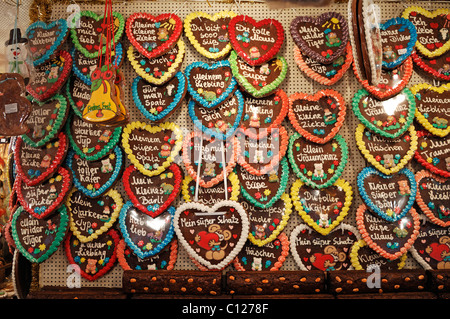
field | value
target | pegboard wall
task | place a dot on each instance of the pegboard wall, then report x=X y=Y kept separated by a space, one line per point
x=53 y=272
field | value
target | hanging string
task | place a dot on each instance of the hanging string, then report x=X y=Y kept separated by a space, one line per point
x=197 y=182
x=224 y=170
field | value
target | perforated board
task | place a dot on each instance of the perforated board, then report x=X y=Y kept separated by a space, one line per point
x=53 y=272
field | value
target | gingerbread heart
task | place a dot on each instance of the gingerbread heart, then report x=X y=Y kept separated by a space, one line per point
x=42 y=200
x=229 y=189
x=94 y=259
x=152 y=195
x=437 y=68
x=432 y=153
x=92 y=217
x=312 y=251
x=46 y=120
x=391 y=240
x=385 y=154
x=94 y=178
x=256 y=42
x=363 y=257
x=164 y=260
x=37 y=164
x=432 y=108
x=267 y=223
x=83 y=67
x=78 y=94
x=210 y=85
x=91 y=141
x=220 y=122
x=86 y=38
x=317 y=117
x=212 y=235
x=327 y=74
x=264 y=190
x=209 y=34
x=50 y=76
x=262 y=114
x=268 y=257
x=322 y=209
x=45 y=39
x=431 y=248
x=38 y=239
x=398 y=36
x=323 y=38
x=208 y=160
x=317 y=165
x=262 y=155
x=388 y=196
x=431 y=41
x=157 y=102
x=389 y=118
x=433 y=195
x=260 y=80
x=158 y=70
x=151 y=149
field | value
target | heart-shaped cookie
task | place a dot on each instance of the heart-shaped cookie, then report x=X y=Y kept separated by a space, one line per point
x=433 y=195
x=260 y=80
x=431 y=41
x=49 y=77
x=271 y=256
x=152 y=35
x=262 y=155
x=398 y=37
x=317 y=165
x=256 y=42
x=388 y=196
x=212 y=235
x=46 y=120
x=158 y=70
x=38 y=239
x=267 y=223
x=206 y=158
x=389 y=118
x=211 y=195
x=432 y=107
x=78 y=94
x=152 y=195
x=42 y=200
x=94 y=259
x=92 y=217
x=157 y=102
x=210 y=85
x=220 y=122
x=385 y=154
x=437 y=68
x=391 y=240
x=317 y=117
x=151 y=149
x=86 y=38
x=264 y=190
x=262 y=114
x=94 y=178
x=91 y=141
x=83 y=67
x=327 y=74
x=164 y=260
x=312 y=251
x=45 y=39
x=322 y=209
x=209 y=34
x=363 y=257
x=146 y=235
x=431 y=248
x=36 y=164
x=322 y=38
x=432 y=153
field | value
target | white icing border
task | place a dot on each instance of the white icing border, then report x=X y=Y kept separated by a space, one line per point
x=414 y=253
x=299 y=228
x=234 y=252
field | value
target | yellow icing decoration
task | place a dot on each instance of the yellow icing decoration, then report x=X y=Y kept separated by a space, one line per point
x=232 y=177
x=101 y=107
x=354 y=259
